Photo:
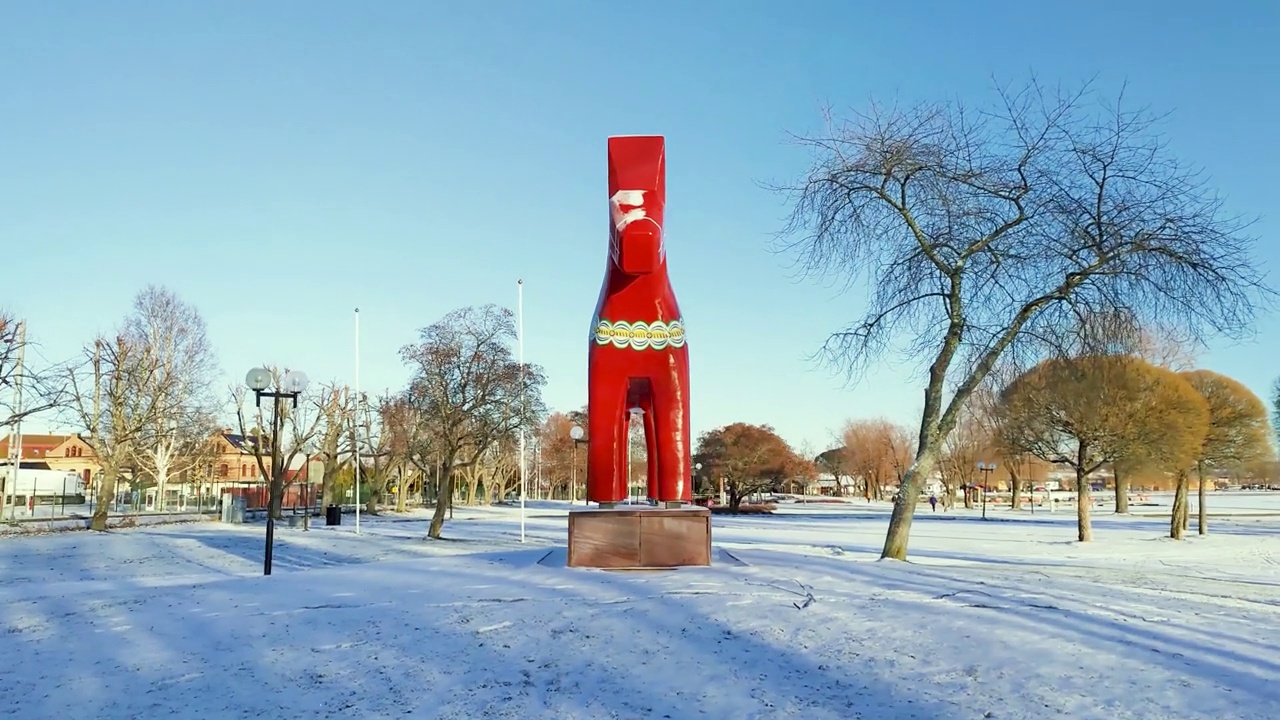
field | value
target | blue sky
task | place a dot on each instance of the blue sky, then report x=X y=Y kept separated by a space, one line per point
x=279 y=164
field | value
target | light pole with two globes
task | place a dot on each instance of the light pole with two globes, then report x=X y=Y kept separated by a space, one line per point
x=290 y=386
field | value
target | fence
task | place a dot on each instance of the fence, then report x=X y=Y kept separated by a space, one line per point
x=296 y=497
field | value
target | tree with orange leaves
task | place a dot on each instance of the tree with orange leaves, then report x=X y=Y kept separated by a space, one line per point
x=558 y=455
x=1087 y=411
x=750 y=459
x=877 y=451
x=1238 y=433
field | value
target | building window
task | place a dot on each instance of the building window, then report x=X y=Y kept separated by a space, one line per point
x=222 y=470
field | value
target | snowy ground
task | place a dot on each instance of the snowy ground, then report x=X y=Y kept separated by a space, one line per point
x=1001 y=619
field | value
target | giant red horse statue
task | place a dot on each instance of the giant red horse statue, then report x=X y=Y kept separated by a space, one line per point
x=638 y=357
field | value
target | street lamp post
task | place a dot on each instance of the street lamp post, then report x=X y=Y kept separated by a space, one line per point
x=697 y=473
x=290 y=386
x=575 y=434
x=986 y=469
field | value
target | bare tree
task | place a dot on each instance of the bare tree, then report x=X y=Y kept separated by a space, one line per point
x=962 y=449
x=468 y=390
x=24 y=391
x=559 y=455
x=1165 y=347
x=144 y=392
x=177 y=438
x=175 y=447
x=28 y=386
x=877 y=451
x=837 y=463
x=501 y=468
x=376 y=461
x=398 y=427
x=638 y=452
x=984 y=407
x=495 y=472
x=983 y=235
x=419 y=444
x=331 y=443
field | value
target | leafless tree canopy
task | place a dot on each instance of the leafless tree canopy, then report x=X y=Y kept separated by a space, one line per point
x=43 y=387
x=146 y=391
x=468 y=389
x=989 y=234
x=1004 y=226
x=177 y=437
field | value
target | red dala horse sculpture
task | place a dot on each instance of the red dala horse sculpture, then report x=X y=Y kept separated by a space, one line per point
x=638 y=356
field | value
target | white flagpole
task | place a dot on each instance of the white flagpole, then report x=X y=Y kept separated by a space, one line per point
x=520 y=346
x=355 y=436
x=15 y=436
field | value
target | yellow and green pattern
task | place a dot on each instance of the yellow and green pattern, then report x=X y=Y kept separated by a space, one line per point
x=657 y=335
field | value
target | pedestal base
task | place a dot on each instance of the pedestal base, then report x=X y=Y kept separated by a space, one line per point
x=636 y=539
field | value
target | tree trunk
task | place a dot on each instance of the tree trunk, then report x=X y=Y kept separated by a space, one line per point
x=402 y=494
x=443 y=501
x=1176 y=518
x=1015 y=491
x=1200 y=495
x=106 y=498
x=1084 y=528
x=1122 y=492
x=277 y=497
x=735 y=498
x=473 y=481
x=326 y=485
x=905 y=501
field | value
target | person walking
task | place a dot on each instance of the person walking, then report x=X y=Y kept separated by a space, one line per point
x=933 y=502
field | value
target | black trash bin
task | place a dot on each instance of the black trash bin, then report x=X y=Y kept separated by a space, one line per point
x=333 y=515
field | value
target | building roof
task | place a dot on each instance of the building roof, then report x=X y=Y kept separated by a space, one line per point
x=33 y=446
x=243 y=443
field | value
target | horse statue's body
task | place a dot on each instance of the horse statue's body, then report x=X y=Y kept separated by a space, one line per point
x=638 y=357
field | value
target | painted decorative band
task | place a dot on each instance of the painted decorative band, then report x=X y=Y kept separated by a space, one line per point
x=657 y=335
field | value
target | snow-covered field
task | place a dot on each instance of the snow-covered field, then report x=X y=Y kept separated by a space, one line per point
x=1008 y=618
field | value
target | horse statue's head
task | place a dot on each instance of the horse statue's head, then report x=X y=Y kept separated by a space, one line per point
x=637 y=196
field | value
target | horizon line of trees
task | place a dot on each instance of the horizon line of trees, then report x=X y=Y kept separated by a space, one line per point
x=146 y=402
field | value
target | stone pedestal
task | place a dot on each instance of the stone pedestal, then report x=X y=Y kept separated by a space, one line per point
x=640 y=538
